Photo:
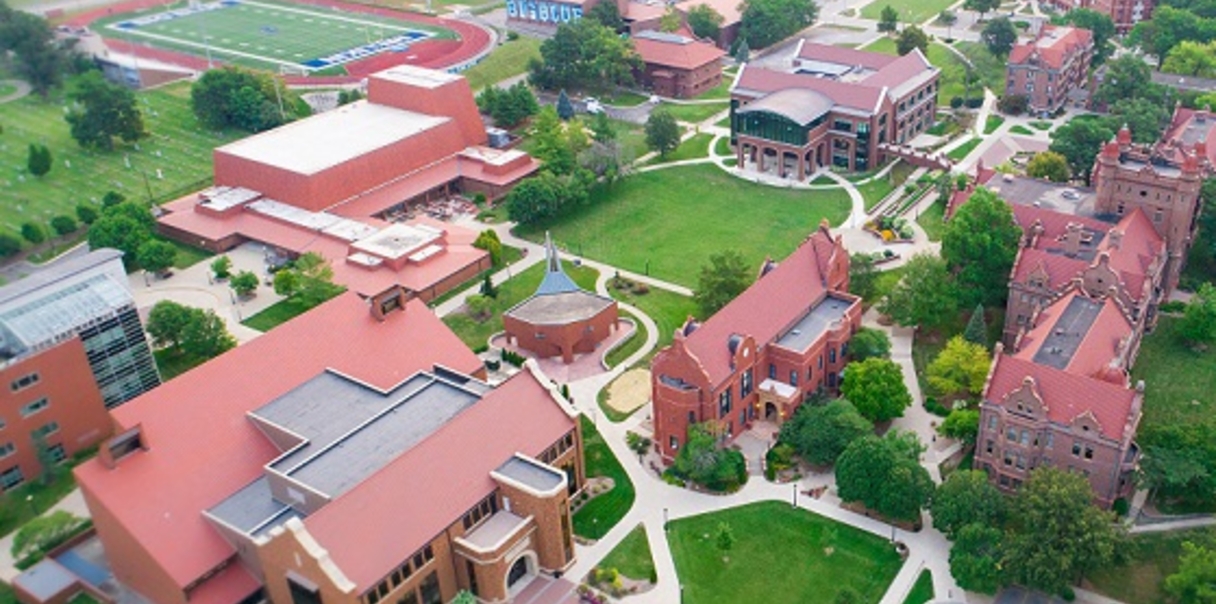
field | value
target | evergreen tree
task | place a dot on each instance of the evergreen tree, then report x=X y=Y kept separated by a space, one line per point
x=487 y=287
x=565 y=109
x=977 y=327
x=742 y=52
x=39 y=162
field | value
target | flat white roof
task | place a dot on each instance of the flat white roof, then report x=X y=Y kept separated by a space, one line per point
x=416 y=76
x=399 y=240
x=493 y=157
x=222 y=198
x=322 y=141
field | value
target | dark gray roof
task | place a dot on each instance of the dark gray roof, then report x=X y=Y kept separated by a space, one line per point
x=559 y=309
x=808 y=329
x=353 y=430
x=1066 y=335
x=659 y=36
x=1042 y=194
x=533 y=474
x=801 y=105
x=250 y=509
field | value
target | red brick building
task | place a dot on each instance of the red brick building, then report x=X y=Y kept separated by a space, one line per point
x=335 y=459
x=71 y=346
x=560 y=319
x=677 y=66
x=335 y=184
x=782 y=339
x=1061 y=397
x=1051 y=70
x=1125 y=13
x=1163 y=179
x=835 y=107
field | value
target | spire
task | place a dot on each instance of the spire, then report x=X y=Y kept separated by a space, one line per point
x=556 y=281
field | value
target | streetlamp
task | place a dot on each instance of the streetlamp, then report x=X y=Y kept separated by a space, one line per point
x=664 y=518
x=794 y=502
x=29 y=499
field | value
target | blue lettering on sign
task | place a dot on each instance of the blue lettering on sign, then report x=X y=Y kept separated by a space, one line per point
x=544 y=11
x=532 y=9
x=554 y=13
x=565 y=13
x=577 y=11
x=511 y=12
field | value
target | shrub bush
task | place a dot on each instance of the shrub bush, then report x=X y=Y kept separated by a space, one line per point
x=956 y=102
x=936 y=408
x=1173 y=306
x=62 y=225
x=974 y=102
x=1121 y=507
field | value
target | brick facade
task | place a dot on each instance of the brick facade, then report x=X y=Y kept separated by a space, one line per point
x=1050 y=67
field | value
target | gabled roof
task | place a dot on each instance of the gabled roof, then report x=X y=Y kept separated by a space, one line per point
x=202 y=445
x=1058 y=268
x=1078 y=334
x=1065 y=395
x=767 y=308
x=760 y=81
x=846 y=56
x=1133 y=257
x=1055 y=224
x=1052 y=46
x=674 y=51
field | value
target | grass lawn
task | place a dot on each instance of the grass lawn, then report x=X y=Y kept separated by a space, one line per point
x=6 y=89
x=696 y=113
x=666 y=308
x=961 y=151
x=476 y=333
x=876 y=190
x=721 y=91
x=631 y=557
x=702 y=211
x=1151 y=558
x=1179 y=382
x=16 y=511
x=632 y=138
x=775 y=540
x=172 y=363
x=281 y=312
x=632 y=345
x=1020 y=129
x=83 y=598
x=509 y=59
x=1041 y=125
x=7 y=595
x=187 y=255
x=993 y=122
x=724 y=122
x=990 y=67
x=693 y=148
x=922 y=591
x=933 y=220
x=886 y=282
x=623 y=98
x=910 y=11
x=599 y=515
x=943 y=128
x=184 y=159
x=722 y=147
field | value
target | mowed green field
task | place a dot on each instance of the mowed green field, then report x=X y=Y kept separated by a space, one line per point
x=262 y=33
x=668 y=222
x=177 y=146
x=910 y=11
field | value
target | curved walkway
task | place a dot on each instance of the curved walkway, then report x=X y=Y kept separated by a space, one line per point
x=22 y=89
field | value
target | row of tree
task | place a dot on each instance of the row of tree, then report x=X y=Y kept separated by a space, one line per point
x=253 y=101
x=185 y=330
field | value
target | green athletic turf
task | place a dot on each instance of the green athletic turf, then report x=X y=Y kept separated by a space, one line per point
x=263 y=33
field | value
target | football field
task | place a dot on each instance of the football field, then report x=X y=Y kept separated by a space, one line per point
x=269 y=35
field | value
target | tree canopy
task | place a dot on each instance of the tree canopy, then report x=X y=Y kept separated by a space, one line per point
x=723 y=278
x=662 y=132
x=508 y=107
x=885 y=475
x=703 y=462
x=869 y=343
x=1198 y=325
x=979 y=246
x=888 y=19
x=584 y=55
x=705 y=21
x=1079 y=142
x=39 y=58
x=156 y=256
x=876 y=387
x=982 y=6
x=233 y=97
x=1098 y=23
x=966 y=497
x=1195 y=580
x=765 y=22
x=911 y=38
x=924 y=296
x=960 y=369
x=1169 y=27
x=107 y=111
x=999 y=35
x=125 y=226
x=1192 y=59
x=1049 y=165
x=820 y=433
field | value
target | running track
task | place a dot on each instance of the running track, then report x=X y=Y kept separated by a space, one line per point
x=434 y=54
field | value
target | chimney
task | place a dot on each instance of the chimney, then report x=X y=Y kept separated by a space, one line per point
x=389 y=301
x=1114 y=239
x=1124 y=136
x=1072 y=239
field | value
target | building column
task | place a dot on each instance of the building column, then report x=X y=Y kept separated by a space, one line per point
x=801 y=166
x=739 y=154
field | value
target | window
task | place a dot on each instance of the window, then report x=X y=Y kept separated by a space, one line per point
x=1089 y=452
x=7 y=449
x=1076 y=448
x=472 y=571
x=34 y=407
x=992 y=422
x=724 y=403
x=674 y=443
x=832 y=355
x=1008 y=458
x=692 y=417
x=745 y=385
x=772 y=371
x=1011 y=434
x=45 y=430
x=484 y=509
x=24 y=381
x=1051 y=437
x=430 y=590
x=1021 y=462
x=1025 y=438
x=793 y=377
x=57 y=453
x=303 y=591
x=991 y=447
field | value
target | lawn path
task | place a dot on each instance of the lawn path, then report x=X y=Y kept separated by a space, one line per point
x=22 y=89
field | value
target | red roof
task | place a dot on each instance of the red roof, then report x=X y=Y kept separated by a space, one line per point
x=1099 y=345
x=451 y=467
x=202 y=448
x=458 y=251
x=1188 y=127
x=764 y=310
x=686 y=55
x=843 y=55
x=763 y=81
x=1053 y=46
x=1065 y=395
x=729 y=9
x=1060 y=269
x=1133 y=258
x=1055 y=224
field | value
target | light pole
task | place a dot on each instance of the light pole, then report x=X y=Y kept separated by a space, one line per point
x=794 y=502
x=664 y=518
